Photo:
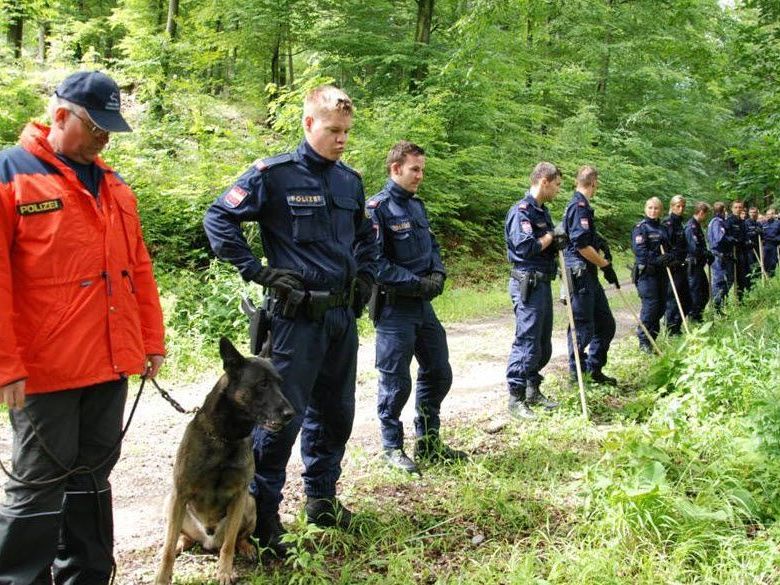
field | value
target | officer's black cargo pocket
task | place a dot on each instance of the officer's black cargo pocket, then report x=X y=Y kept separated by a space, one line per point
x=344 y=211
x=309 y=223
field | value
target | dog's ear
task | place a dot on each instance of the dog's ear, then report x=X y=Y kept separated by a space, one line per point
x=231 y=358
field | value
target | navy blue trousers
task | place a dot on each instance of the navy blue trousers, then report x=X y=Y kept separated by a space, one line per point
x=593 y=320
x=652 y=290
x=317 y=361
x=770 y=258
x=722 y=279
x=405 y=329
x=532 y=347
x=672 y=315
x=699 y=287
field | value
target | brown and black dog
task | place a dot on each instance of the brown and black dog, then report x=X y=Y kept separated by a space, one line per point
x=210 y=501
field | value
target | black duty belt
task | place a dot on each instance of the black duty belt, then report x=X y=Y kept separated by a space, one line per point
x=532 y=275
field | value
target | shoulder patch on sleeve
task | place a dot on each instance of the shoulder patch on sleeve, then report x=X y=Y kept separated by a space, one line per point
x=235 y=196
x=522 y=205
x=581 y=203
x=263 y=164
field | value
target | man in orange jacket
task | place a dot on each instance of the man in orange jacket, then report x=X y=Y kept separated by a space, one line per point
x=79 y=313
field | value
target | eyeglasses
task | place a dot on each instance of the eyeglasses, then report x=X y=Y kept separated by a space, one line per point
x=93 y=128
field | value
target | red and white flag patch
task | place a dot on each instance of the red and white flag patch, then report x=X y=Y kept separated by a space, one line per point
x=639 y=239
x=235 y=196
x=526 y=225
x=584 y=222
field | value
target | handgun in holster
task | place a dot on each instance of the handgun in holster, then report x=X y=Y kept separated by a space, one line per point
x=355 y=300
x=526 y=284
x=567 y=274
x=377 y=302
x=259 y=324
x=291 y=302
x=636 y=270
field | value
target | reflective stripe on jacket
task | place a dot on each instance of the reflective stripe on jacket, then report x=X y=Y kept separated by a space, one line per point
x=78 y=300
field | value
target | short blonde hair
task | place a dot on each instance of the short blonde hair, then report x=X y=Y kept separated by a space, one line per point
x=676 y=200
x=325 y=99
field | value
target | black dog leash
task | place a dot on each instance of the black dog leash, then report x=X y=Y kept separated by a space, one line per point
x=171 y=400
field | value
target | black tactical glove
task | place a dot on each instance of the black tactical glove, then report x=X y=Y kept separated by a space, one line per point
x=281 y=279
x=560 y=237
x=709 y=256
x=429 y=288
x=610 y=276
x=363 y=284
x=607 y=251
x=665 y=260
x=438 y=278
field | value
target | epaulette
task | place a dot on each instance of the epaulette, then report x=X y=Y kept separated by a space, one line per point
x=522 y=205
x=377 y=200
x=263 y=164
x=348 y=168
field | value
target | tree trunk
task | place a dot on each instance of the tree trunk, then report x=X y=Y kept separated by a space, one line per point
x=290 y=75
x=601 y=86
x=15 y=28
x=173 y=15
x=44 y=29
x=422 y=36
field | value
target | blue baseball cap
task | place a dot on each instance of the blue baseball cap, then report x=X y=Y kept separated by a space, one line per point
x=99 y=95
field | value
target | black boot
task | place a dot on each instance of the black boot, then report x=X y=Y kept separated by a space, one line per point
x=431 y=449
x=534 y=396
x=517 y=406
x=601 y=378
x=397 y=459
x=269 y=532
x=327 y=513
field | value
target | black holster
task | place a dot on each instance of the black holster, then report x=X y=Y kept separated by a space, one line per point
x=377 y=302
x=526 y=282
x=259 y=323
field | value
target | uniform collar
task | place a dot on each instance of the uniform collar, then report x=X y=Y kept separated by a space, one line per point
x=397 y=191
x=653 y=222
x=532 y=200
x=312 y=158
x=581 y=197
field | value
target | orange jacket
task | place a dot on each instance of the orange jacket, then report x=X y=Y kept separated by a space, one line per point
x=78 y=300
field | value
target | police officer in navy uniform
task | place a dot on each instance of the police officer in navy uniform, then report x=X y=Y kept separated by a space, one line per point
x=410 y=274
x=678 y=248
x=737 y=234
x=771 y=239
x=649 y=275
x=319 y=245
x=753 y=231
x=698 y=257
x=722 y=247
x=532 y=242
x=592 y=316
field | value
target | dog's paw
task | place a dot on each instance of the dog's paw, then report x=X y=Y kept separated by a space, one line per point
x=184 y=543
x=226 y=576
x=247 y=548
x=163 y=578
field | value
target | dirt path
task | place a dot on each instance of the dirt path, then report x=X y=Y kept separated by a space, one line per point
x=478 y=353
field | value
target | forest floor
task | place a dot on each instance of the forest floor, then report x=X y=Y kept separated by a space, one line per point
x=478 y=354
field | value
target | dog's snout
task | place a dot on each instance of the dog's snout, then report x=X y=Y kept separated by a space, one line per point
x=287 y=413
